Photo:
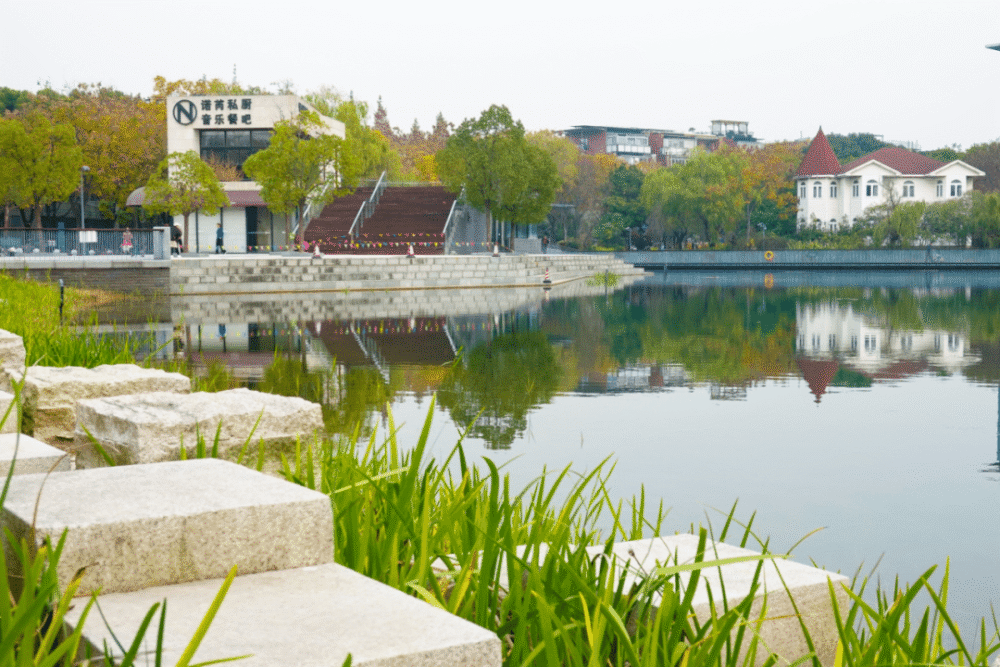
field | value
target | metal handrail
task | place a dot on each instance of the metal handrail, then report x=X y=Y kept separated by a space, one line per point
x=448 y=231
x=367 y=208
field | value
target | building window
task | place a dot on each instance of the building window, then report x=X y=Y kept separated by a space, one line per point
x=953 y=342
x=940 y=188
x=908 y=188
x=854 y=343
x=833 y=188
x=870 y=343
x=815 y=342
x=956 y=188
x=233 y=146
x=833 y=342
x=871 y=189
x=802 y=190
x=856 y=189
x=817 y=189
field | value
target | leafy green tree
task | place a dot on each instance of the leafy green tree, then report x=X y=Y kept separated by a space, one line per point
x=899 y=227
x=948 y=219
x=40 y=165
x=372 y=149
x=495 y=385
x=123 y=138
x=500 y=171
x=12 y=100
x=984 y=217
x=302 y=164
x=183 y=184
x=987 y=158
x=849 y=147
x=701 y=197
x=624 y=211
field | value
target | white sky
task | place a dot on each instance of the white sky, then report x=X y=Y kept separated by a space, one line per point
x=910 y=71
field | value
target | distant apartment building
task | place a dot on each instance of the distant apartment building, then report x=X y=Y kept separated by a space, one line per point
x=666 y=147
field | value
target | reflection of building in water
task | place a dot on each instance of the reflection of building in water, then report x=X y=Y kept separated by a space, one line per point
x=833 y=329
x=727 y=392
x=387 y=342
x=633 y=379
x=837 y=346
x=247 y=350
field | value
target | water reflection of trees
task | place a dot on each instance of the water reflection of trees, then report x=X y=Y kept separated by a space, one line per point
x=494 y=385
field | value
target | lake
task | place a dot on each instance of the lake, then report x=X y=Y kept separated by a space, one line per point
x=864 y=405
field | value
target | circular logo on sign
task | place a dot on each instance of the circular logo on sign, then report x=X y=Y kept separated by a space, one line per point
x=185 y=112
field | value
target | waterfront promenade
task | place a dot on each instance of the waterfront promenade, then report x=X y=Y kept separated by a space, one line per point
x=866 y=259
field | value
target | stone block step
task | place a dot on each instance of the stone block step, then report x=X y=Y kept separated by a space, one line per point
x=134 y=527
x=782 y=581
x=146 y=428
x=50 y=394
x=310 y=616
x=11 y=350
x=33 y=456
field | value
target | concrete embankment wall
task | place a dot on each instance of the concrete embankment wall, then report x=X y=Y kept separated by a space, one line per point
x=907 y=258
x=127 y=275
x=248 y=274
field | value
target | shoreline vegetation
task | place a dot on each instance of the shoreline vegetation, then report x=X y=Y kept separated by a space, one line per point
x=456 y=534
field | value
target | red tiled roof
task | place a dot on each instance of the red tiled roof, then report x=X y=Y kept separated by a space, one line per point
x=817 y=373
x=819 y=159
x=900 y=159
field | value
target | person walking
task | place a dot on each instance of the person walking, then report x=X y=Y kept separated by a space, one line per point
x=175 y=240
x=127 y=242
x=220 y=247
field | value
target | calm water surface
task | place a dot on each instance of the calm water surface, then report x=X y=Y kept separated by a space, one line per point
x=862 y=405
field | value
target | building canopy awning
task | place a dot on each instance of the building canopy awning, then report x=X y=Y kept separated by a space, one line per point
x=237 y=198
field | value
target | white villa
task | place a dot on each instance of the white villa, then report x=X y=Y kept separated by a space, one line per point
x=832 y=195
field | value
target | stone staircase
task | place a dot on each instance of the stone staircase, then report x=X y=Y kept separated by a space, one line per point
x=404 y=215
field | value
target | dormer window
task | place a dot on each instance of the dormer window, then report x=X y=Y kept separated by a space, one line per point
x=956 y=188
x=908 y=189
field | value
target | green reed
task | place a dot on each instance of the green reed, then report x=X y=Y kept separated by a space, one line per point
x=31 y=310
x=515 y=561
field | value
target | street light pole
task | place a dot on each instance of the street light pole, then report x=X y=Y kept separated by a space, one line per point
x=83 y=221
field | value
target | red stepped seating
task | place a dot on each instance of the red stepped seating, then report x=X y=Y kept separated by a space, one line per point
x=404 y=215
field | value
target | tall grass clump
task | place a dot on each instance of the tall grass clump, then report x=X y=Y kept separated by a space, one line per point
x=516 y=561
x=31 y=310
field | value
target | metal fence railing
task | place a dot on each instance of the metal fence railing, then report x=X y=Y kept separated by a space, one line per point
x=368 y=207
x=128 y=242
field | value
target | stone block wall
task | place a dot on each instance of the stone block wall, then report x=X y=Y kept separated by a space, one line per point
x=336 y=273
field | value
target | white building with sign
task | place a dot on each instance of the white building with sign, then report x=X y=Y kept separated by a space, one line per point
x=230 y=128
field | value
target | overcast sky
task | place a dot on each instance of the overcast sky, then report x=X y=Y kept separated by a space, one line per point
x=912 y=71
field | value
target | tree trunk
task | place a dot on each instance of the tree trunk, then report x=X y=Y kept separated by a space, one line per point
x=185 y=237
x=36 y=218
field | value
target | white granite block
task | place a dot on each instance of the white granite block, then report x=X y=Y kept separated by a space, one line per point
x=145 y=428
x=33 y=456
x=134 y=527
x=310 y=616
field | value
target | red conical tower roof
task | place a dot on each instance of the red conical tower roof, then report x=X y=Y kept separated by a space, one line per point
x=819 y=159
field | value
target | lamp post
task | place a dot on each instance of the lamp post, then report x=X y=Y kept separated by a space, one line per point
x=83 y=171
